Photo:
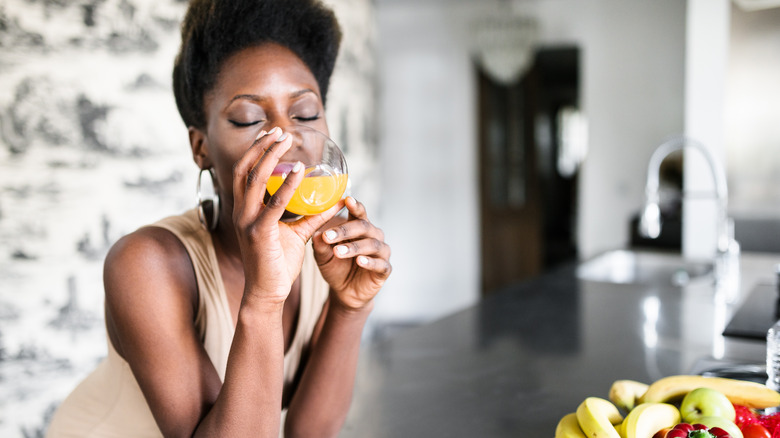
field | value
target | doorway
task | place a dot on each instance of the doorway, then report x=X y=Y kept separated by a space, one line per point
x=528 y=175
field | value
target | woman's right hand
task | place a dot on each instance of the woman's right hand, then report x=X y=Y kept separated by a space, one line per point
x=271 y=250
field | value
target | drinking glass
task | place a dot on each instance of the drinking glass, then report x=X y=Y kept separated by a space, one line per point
x=325 y=171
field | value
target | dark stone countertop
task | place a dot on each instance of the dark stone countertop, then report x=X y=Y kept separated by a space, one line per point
x=516 y=362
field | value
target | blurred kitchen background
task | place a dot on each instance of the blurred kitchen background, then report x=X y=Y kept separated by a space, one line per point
x=492 y=140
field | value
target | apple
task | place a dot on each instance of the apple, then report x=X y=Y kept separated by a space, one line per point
x=706 y=402
x=722 y=423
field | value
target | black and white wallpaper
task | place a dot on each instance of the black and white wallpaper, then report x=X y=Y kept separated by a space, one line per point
x=91 y=147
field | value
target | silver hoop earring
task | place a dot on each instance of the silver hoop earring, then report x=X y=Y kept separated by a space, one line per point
x=208 y=206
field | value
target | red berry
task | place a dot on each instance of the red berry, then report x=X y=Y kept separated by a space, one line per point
x=770 y=422
x=745 y=416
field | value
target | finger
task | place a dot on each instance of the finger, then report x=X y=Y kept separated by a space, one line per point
x=257 y=178
x=353 y=229
x=274 y=208
x=362 y=247
x=309 y=226
x=243 y=166
x=380 y=266
x=356 y=209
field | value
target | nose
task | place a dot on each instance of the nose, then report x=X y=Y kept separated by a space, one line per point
x=301 y=149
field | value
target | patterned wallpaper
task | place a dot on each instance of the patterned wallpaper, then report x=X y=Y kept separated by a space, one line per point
x=91 y=147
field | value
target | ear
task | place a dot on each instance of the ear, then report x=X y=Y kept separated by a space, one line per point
x=199 y=145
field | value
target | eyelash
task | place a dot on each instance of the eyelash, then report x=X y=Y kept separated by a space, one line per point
x=246 y=125
x=308 y=119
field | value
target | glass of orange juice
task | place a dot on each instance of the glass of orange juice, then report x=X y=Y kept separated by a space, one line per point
x=325 y=175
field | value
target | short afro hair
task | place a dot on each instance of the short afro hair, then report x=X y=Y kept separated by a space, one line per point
x=213 y=30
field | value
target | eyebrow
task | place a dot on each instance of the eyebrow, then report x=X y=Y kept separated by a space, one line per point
x=256 y=98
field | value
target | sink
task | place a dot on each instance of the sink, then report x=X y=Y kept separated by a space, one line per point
x=644 y=267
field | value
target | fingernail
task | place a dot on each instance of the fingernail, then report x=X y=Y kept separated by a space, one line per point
x=273 y=131
x=341 y=249
x=362 y=260
x=281 y=138
x=331 y=235
x=260 y=134
x=297 y=167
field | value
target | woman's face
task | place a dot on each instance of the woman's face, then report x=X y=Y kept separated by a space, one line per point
x=258 y=88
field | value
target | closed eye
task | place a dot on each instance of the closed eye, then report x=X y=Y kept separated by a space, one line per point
x=308 y=119
x=243 y=124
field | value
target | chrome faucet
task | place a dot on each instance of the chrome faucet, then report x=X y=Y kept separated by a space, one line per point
x=650 y=220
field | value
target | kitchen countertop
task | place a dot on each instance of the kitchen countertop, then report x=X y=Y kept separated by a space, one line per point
x=520 y=359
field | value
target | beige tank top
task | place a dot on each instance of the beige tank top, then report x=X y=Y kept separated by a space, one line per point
x=109 y=402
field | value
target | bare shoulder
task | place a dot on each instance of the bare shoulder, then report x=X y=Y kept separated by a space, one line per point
x=149 y=282
x=149 y=251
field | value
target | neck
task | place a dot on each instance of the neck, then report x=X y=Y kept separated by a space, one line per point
x=225 y=239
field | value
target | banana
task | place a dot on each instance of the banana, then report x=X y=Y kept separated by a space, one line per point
x=569 y=427
x=741 y=392
x=648 y=418
x=625 y=393
x=597 y=418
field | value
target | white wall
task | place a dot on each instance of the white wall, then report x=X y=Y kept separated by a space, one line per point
x=707 y=41
x=632 y=56
x=429 y=187
x=633 y=92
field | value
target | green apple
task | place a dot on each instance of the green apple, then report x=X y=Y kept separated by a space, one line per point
x=706 y=402
x=722 y=423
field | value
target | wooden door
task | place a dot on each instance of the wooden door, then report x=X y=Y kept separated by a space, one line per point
x=527 y=204
x=509 y=195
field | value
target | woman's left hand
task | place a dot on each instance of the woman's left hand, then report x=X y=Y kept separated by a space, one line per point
x=353 y=257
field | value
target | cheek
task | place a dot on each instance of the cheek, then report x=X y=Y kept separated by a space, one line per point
x=322 y=126
x=224 y=155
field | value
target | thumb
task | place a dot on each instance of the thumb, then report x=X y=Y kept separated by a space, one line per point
x=308 y=226
x=323 y=253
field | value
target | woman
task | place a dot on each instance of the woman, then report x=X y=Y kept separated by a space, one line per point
x=219 y=322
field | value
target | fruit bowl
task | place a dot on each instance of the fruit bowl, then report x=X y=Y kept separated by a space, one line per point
x=703 y=407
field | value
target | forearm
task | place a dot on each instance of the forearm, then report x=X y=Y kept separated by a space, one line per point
x=323 y=397
x=249 y=403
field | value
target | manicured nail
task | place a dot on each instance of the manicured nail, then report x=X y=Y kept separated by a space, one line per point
x=341 y=249
x=260 y=134
x=362 y=260
x=331 y=235
x=273 y=131
x=297 y=167
x=281 y=138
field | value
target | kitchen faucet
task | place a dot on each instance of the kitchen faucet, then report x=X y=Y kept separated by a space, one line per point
x=727 y=252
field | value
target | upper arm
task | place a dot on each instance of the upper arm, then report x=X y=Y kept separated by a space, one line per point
x=151 y=300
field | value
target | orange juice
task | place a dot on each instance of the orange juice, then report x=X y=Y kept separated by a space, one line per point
x=314 y=195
